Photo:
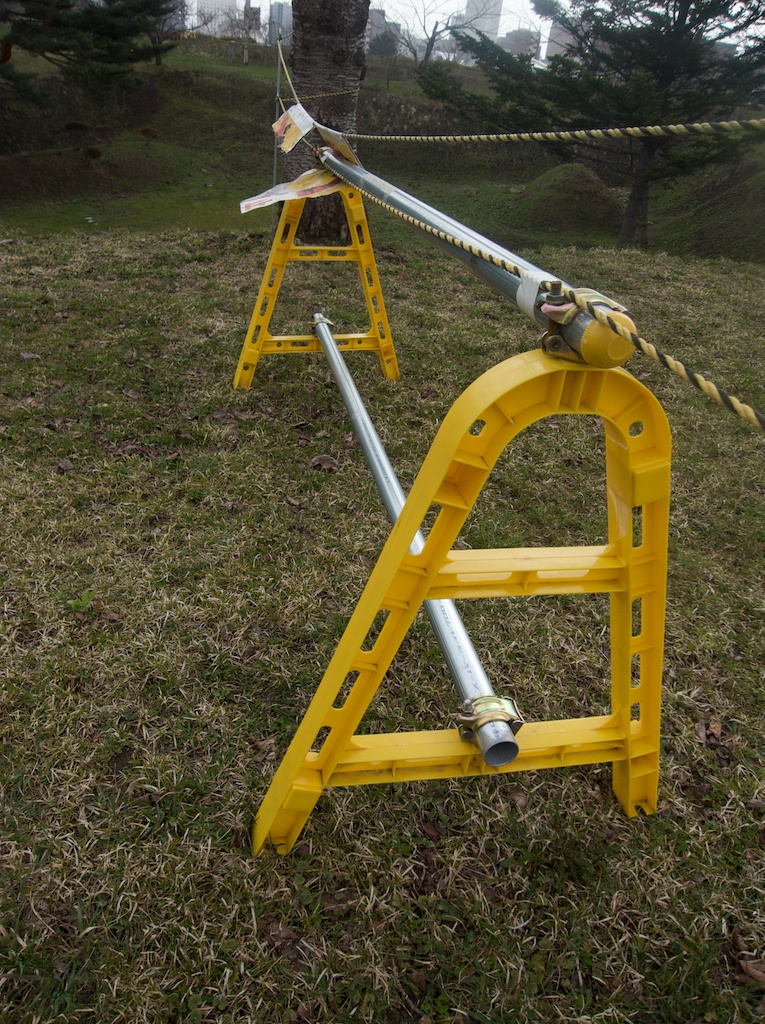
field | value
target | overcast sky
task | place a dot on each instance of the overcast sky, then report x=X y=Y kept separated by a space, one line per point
x=515 y=13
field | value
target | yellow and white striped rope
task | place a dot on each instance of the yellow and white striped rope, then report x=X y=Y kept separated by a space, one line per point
x=745 y=412
x=733 y=404
x=583 y=134
x=324 y=95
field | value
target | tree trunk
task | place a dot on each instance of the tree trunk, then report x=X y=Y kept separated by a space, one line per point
x=327 y=57
x=636 y=214
x=429 y=47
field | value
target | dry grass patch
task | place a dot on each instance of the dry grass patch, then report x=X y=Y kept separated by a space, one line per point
x=176 y=571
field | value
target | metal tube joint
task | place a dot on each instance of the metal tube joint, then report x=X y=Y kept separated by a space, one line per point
x=571 y=333
x=597 y=344
x=479 y=711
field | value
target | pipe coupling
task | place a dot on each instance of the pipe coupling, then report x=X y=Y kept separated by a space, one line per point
x=478 y=711
x=597 y=345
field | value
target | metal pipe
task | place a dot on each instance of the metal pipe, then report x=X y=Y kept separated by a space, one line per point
x=276 y=118
x=495 y=738
x=503 y=281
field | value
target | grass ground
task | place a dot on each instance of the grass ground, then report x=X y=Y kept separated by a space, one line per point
x=176 y=572
x=177 y=569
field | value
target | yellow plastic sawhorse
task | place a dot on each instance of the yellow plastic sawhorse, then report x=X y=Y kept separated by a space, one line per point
x=259 y=341
x=631 y=567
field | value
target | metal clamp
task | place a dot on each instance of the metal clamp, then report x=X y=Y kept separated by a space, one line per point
x=480 y=710
x=597 y=344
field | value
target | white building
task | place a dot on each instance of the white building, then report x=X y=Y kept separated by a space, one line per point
x=559 y=41
x=483 y=16
x=215 y=15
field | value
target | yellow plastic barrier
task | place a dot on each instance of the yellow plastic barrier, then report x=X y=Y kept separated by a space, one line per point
x=631 y=567
x=259 y=341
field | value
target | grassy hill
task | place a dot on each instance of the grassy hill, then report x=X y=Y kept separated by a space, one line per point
x=193 y=139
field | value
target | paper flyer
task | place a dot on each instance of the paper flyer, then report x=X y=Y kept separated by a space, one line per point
x=338 y=143
x=292 y=126
x=317 y=182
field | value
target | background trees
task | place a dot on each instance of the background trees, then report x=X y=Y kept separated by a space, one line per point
x=87 y=40
x=426 y=25
x=427 y=28
x=626 y=63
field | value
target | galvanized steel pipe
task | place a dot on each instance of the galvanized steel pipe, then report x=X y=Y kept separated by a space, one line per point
x=495 y=738
x=502 y=281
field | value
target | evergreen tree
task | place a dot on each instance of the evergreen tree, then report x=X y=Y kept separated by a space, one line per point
x=386 y=44
x=88 y=40
x=627 y=62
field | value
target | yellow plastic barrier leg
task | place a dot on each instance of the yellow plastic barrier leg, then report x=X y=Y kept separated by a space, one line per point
x=631 y=567
x=259 y=341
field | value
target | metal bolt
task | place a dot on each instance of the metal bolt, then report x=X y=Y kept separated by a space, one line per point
x=555 y=296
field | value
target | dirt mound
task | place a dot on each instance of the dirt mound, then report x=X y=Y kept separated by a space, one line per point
x=569 y=198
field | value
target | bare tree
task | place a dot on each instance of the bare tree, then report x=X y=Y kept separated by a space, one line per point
x=245 y=26
x=426 y=32
x=168 y=26
x=328 y=64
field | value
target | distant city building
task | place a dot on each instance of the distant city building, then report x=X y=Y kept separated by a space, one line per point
x=558 y=41
x=522 y=42
x=279 y=22
x=483 y=16
x=251 y=19
x=215 y=15
x=377 y=24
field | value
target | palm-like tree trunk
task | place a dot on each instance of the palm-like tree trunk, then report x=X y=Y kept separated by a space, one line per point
x=328 y=64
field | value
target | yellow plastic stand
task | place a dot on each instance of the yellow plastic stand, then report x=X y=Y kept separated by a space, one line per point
x=631 y=567
x=259 y=341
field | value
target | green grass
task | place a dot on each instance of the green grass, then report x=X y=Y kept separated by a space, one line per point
x=175 y=575
x=182 y=150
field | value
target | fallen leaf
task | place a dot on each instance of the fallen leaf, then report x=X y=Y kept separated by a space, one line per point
x=752 y=971
x=418 y=978
x=280 y=935
x=325 y=462
x=431 y=829
x=519 y=798
x=714 y=729
x=266 y=749
x=737 y=940
x=701 y=732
